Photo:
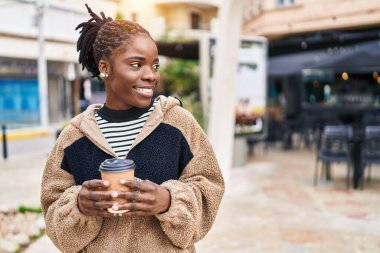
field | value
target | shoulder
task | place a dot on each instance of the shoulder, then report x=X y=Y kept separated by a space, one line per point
x=183 y=113
x=174 y=114
x=71 y=132
x=183 y=120
x=179 y=113
x=69 y=135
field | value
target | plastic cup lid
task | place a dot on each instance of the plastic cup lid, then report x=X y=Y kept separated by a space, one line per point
x=116 y=165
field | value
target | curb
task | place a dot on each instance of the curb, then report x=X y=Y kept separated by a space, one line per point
x=23 y=134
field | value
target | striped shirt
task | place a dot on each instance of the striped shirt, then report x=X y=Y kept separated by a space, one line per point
x=121 y=132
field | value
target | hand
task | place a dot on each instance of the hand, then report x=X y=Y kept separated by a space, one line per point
x=145 y=199
x=93 y=200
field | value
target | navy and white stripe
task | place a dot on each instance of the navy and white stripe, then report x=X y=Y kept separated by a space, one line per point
x=121 y=135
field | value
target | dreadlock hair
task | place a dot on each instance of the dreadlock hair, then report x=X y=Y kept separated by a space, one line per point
x=100 y=36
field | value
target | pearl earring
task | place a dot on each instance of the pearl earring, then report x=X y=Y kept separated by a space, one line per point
x=103 y=75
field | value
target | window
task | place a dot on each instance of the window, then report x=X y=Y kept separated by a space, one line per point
x=195 y=20
x=284 y=2
x=19 y=101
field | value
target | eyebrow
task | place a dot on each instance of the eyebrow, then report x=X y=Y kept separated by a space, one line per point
x=141 y=58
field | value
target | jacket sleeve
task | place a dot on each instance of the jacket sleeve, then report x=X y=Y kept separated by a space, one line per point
x=196 y=196
x=66 y=226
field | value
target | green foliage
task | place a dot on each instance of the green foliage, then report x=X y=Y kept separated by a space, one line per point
x=193 y=105
x=179 y=38
x=25 y=209
x=180 y=77
x=119 y=16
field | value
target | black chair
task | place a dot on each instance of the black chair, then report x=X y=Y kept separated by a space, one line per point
x=275 y=133
x=370 y=119
x=334 y=148
x=371 y=148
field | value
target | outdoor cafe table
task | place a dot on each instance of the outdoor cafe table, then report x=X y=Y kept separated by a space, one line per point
x=357 y=142
x=351 y=115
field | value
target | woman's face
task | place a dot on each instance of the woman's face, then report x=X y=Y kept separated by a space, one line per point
x=132 y=74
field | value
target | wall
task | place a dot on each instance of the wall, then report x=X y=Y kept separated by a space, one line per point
x=160 y=16
x=272 y=21
x=19 y=52
x=18 y=29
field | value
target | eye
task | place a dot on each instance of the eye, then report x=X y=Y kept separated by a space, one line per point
x=136 y=65
x=156 y=66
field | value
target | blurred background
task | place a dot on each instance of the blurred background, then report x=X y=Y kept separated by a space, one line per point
x=287 y=90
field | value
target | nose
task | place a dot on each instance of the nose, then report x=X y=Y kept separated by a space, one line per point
x=149 y=75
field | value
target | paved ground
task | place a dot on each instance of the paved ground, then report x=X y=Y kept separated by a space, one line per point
x=20 y=174
x=270 y=206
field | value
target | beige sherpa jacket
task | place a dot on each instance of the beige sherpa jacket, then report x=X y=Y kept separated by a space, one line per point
x=195 y=194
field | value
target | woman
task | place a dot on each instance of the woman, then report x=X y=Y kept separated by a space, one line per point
x=175 y=202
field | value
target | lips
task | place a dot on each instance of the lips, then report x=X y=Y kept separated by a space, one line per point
x=145 y=91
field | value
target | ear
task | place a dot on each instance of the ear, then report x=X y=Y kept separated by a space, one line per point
x=104 y=67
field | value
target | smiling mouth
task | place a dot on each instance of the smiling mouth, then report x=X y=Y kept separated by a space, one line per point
x=145 y=91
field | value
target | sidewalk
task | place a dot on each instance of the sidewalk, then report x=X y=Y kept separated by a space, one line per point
x=27 y=133
x=270 y=206
x=20 y=180
x=22 y=172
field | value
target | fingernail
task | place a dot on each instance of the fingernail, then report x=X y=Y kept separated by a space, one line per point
x=123 y=181
x=114 y=194
x=106 y=183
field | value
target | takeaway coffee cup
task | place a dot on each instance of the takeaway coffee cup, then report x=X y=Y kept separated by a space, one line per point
x=115 y=169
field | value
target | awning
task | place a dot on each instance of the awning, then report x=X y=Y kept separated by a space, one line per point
x=363 y=55
x=181 y=50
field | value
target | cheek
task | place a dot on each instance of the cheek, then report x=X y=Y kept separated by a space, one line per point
x=158 y=77
x=129 y=79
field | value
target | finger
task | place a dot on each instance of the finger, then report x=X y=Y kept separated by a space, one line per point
x=100 y=195
x=138 y=212
x=96 y=196
x=123 y=207
x=90 y=205
x=142 y=186
x=138 y=184
x=116 y=208
x=96 y=184
x=102 y=205
x=134 y=207
x=105 y=213
x=91 y=195
x=136 y=196
x=133 y=196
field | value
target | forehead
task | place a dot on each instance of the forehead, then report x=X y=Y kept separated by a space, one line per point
x=140 y=44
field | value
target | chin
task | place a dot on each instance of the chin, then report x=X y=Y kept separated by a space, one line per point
x=143 y=103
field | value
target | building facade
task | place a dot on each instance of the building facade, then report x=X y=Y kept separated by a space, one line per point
x=322 y=59
x=19 y=51
x=278 y=18
x=174 y=18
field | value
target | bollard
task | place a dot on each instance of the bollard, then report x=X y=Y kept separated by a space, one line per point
x=5 y=151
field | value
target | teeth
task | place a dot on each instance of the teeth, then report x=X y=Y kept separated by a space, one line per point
x=144 y=90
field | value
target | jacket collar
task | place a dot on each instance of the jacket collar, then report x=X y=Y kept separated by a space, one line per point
x=87 y=124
